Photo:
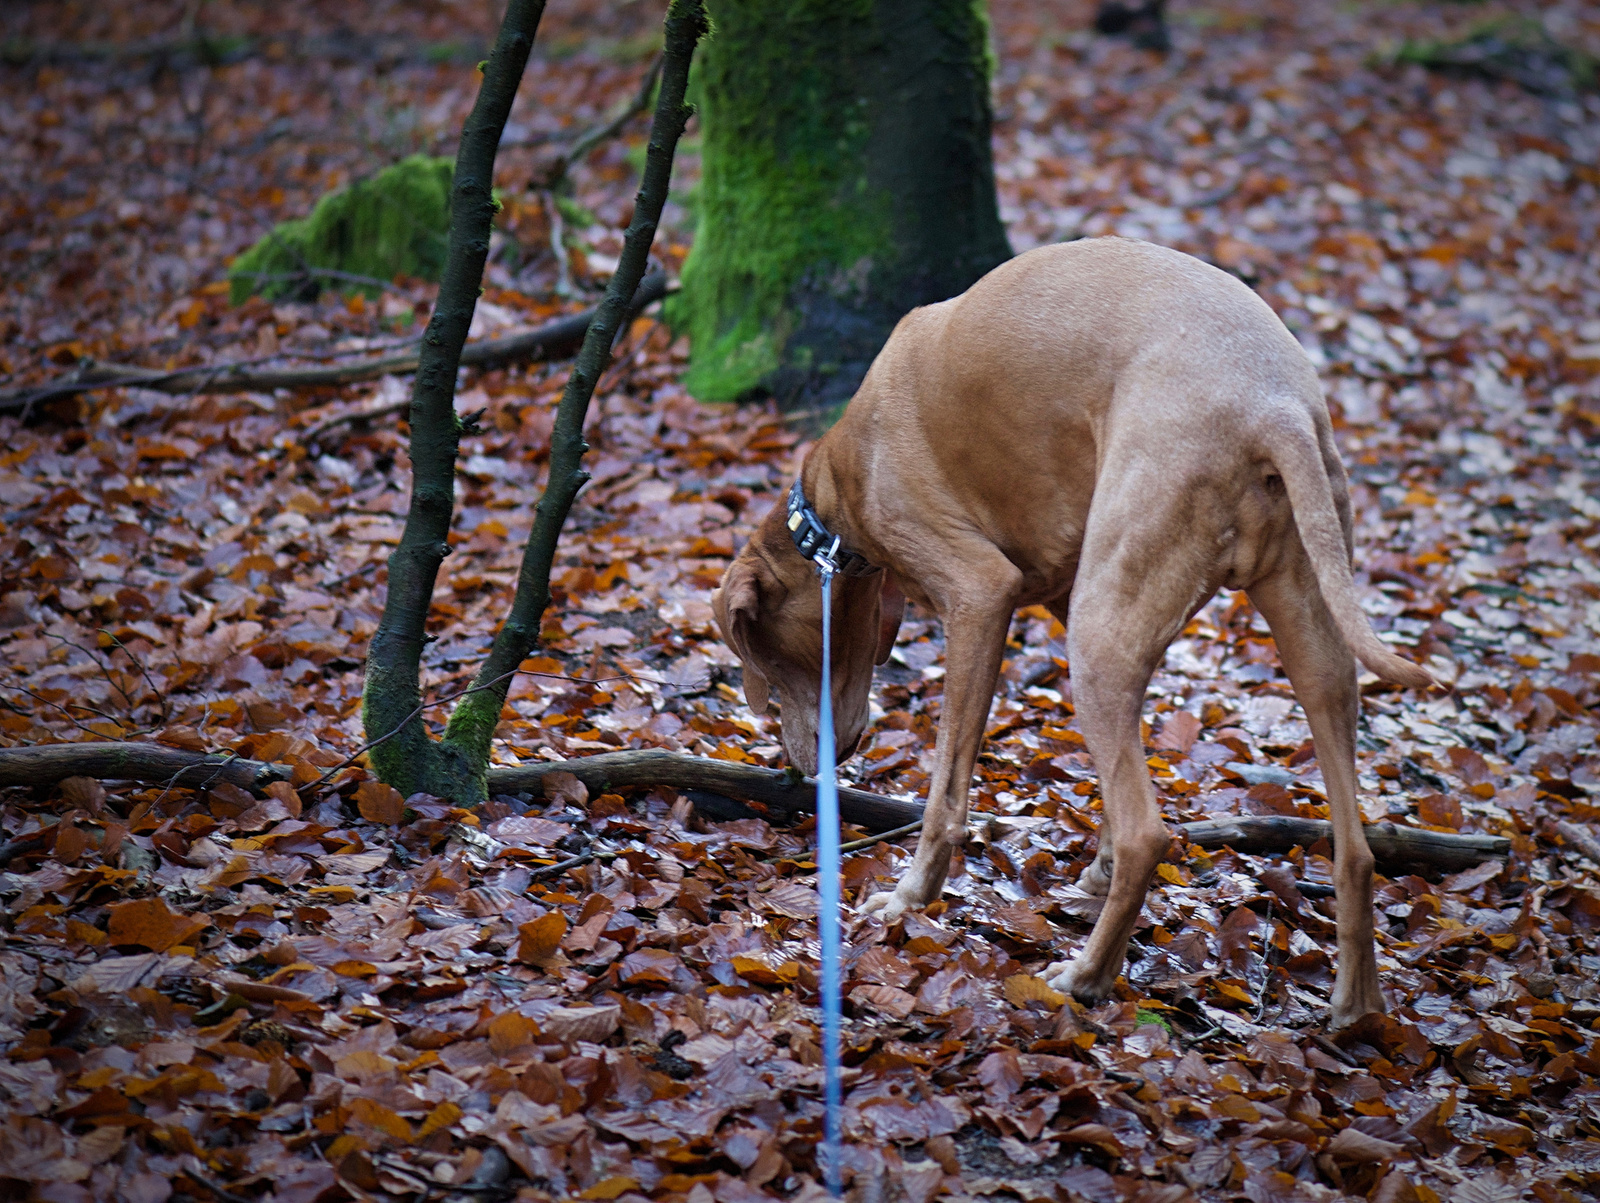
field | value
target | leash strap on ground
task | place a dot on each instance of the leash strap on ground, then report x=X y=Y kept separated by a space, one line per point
x=828 y=891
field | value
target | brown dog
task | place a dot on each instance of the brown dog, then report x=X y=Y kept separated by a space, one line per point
x=1113 y=430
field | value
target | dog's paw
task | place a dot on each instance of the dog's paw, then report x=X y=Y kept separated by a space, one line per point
x=1345 y=1011
x=889 y=905
x=1079 y=980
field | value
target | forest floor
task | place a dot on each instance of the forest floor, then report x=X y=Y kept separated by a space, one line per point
x=323 y=994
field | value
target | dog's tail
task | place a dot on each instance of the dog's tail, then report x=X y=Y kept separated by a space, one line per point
x=1299 y=461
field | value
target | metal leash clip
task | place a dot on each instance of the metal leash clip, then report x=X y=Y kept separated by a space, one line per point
x=826 y=561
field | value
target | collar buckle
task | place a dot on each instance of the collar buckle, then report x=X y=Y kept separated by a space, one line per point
x=817 y=543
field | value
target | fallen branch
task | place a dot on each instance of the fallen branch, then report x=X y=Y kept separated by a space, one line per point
x=48 y=764
x=553 y=340
x=781 y=789
x=1396 y=845
x=778 y=788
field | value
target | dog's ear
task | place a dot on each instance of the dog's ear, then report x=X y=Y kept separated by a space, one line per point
x=891 y=608
x=737 y=607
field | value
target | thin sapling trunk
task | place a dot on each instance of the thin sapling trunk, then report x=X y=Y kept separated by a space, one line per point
x=473 y=722
x=456 y=766
x=411 y=761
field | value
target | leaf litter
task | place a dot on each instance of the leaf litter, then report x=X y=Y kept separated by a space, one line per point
x=333 y=991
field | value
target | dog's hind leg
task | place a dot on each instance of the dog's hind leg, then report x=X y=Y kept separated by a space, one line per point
x=1132 y=594
x=974 y=592
x=1322 y=669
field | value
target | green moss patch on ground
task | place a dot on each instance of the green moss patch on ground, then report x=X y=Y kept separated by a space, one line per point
x=1520 y=49
x=394 y=223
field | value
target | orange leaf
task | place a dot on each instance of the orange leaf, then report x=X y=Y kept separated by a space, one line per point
x=541 y=937
x=756 y=971
x=510 y=1031
x=376 y=1115
x=148 y=923
x=610 y=1188
x=1170 y=874
x=439 y=1118
x=380 y=803
x=1023 y=988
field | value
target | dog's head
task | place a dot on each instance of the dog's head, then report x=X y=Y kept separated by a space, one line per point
x=769 y=610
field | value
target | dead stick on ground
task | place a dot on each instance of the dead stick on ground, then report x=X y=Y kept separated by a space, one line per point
x=553 y=340
x=778 y=788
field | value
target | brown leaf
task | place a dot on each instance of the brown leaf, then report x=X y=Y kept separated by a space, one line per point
x=509 y=1032
x=85 y=793
x=376 y=1115
x=1023 y=988
x=148 y=923
x=885 y=1000
x=380 y=803
x=565 y=789
x=1439 y=810
x=541 y=937
x=185 y=737
x=571 y=1024
x=1178 y=732
x=1354 y=1147
x=650 y=967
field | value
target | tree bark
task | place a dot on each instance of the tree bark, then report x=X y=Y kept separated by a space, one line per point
x=455 y=767
x=411 y=760
x=846 y=178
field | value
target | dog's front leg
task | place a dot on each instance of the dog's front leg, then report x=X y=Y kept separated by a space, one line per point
x=975 y=635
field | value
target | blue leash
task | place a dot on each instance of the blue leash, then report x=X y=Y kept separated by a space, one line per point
x=828 y=890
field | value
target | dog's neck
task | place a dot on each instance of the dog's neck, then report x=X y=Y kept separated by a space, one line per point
x=833 y=484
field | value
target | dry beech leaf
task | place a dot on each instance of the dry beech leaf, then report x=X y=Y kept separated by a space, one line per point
x=1023 y=988
x=571 y=1024
x=540 y=938
x=380 y=803
x=150 y=923
x=565 y=790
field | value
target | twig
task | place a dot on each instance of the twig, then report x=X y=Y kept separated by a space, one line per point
x=350 y=576
x=68 y=713
x=553 y=340
x=216 y=1188
x=585 y=142
x=881 y=837
x=26 y=843
x=561 y=866
x=558 y=245
x=780 y=788
x=330 y=273
x=311 y=435
x=143 y=672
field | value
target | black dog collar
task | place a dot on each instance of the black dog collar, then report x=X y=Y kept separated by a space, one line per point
x=814 y=540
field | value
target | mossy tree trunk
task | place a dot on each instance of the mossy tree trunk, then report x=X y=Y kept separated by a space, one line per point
x=846 y=179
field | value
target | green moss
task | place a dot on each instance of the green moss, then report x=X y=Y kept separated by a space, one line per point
x=1517 y=48
x=394 y=223
x=845 y=178
x=1141 y=1017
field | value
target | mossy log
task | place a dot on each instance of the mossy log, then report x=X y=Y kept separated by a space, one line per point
x=846 y=178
